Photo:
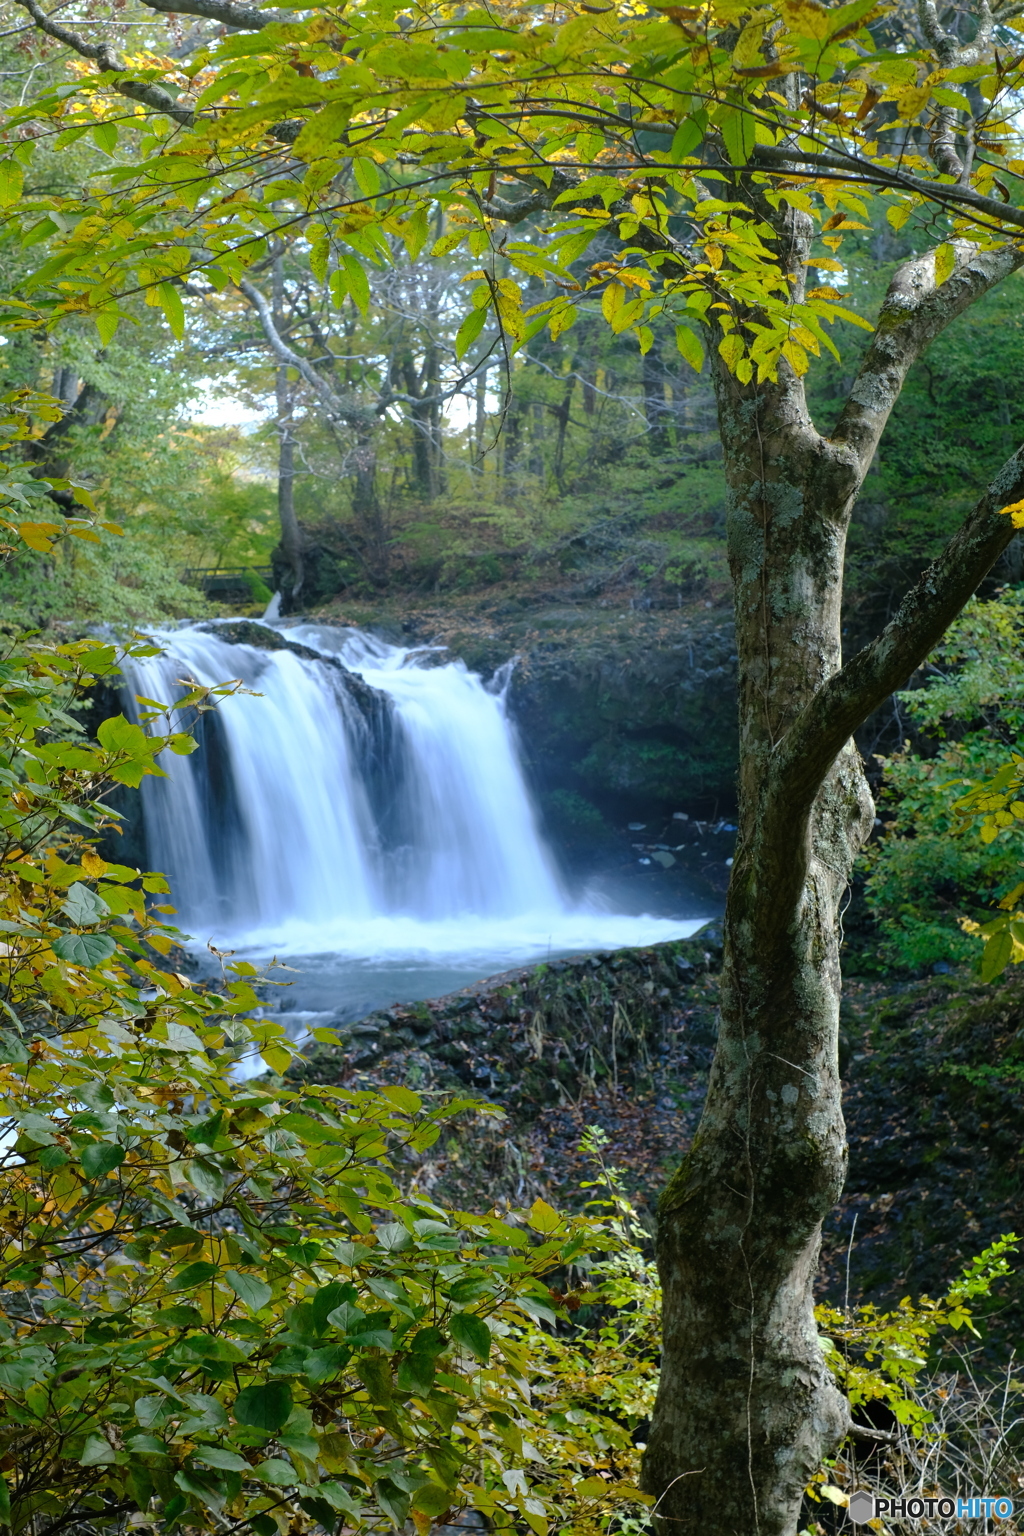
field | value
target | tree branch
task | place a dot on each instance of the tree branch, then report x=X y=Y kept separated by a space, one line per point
x=767 y=156
x=338 y=410
x=915 y=310
x=110 y=62
x=147 y=94
x=243 y=17
x=808 y=750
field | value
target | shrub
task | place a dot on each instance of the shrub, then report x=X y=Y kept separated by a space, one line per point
x=925 y=872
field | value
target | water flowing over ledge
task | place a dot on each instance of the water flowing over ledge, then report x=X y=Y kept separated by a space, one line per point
x=369 y=804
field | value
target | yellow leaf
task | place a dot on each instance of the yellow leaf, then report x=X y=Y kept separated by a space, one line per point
x=561 y=320
x=39 y=536
x=945 y=263
x=795 y=356
x=542 y=1217
x=277 y=1058
x=730 y=349
x=1016 y=511
x=612 y=301
x=807 y=18
x=93 y=864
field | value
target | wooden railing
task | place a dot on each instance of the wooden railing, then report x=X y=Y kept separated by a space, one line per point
x=225 y=578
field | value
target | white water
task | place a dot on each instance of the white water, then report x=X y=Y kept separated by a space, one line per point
x=302 y=828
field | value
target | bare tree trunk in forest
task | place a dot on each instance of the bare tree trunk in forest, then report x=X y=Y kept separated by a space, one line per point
x=480 y=419
x=561 y=411
x=746 y=1408
x=423 y=385
x=291 y=535
x=654 y=399
x=87 y=406
x=512 y=432
x=370 y=516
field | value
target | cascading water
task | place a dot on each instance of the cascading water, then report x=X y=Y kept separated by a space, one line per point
x=366 y=804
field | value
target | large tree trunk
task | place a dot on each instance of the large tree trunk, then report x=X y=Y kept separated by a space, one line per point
x=746 y=1409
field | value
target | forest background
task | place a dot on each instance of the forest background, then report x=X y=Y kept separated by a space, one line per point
x=581 y=467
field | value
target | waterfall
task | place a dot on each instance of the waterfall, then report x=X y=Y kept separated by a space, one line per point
x=359 y=799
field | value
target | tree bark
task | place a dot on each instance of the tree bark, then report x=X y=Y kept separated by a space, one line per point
x=291 y=534
x=746 y=1409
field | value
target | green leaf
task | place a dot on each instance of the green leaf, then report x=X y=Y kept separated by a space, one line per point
x=357 y=282
x=83 y=906
x=192 y=1275
x=367 y=176
x=13 y=1050
x=689 y=347
x=255 y=1293
x=105 y=137
x=278 y=1471
x=472 y=1333
x=375 y=1375
x=737 y=129
x=23 y=1371
x=996 y=955
x=217 y=1456
x=97 y=1452
x=416 y=1374
x=468 y=331
x=12 y=179
x=101 y=1158
x=392 y=1500
x=209 y=1489
x=173 y=308
x=106 y=322
x=88 y=949
x=432 y=1499
x=264 y=1407
x=327 y=1298
x=131 y=746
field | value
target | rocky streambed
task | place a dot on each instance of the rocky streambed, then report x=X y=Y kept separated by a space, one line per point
x=933 y=1096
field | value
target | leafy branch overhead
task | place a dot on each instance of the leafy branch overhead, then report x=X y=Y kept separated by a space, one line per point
x=673 y=136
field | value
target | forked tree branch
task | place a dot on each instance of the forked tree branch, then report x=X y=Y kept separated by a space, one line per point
x=915 y=310
x=810 y=747
x=338 y=410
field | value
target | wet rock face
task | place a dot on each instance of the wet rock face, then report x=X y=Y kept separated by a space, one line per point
x=634 y=713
